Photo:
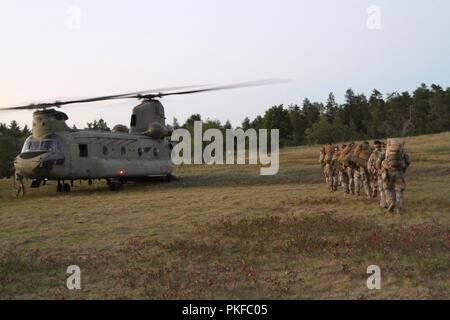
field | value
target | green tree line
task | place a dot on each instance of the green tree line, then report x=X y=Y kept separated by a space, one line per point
x=426 y=110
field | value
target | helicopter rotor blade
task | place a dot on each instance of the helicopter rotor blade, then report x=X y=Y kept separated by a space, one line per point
x=216 y=88
x=95 y=99
x=150 y=94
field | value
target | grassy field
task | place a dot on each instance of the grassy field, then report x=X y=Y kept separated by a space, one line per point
x=227 y=232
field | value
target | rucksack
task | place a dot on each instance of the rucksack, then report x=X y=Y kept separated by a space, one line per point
x=362 y=151
x=357 y=156
x=328 y=153
x=345 y=154
x=394 y=154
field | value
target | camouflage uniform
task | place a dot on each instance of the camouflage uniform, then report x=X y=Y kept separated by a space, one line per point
x=376 y=181
x=329 y=175
x=341 y=171
x=348 y=171
x=322 y=161
x=394 y=181
x=360 y=174
x=336 y=168
x=329 y=168
x=343 y=179
x=361 y=179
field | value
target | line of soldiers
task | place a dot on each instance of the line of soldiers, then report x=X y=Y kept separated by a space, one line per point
x=379 y=171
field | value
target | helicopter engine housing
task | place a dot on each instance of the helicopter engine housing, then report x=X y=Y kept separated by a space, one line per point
x=49 y=121
x=148 y=118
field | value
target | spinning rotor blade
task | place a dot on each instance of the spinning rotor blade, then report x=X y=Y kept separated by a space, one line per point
x=149 y=94
x=216 y=88
x=95 y=99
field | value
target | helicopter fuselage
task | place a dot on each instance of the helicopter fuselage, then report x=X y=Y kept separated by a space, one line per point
x=93 y=155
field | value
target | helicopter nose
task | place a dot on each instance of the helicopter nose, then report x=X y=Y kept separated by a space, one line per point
x=25 y=167
x=32 y=167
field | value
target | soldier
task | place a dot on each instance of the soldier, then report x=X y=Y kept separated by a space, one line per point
x=322 y=160
x=336 y=154
x=361 y=176
x=348 y=167
x=395 y=162
x=374 y=170
x=329 y=166
x=343 y=178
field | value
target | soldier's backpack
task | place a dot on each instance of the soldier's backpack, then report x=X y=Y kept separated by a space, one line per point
x=346 y=155
x=328 y=153
x=394 y=154
x=360 y=155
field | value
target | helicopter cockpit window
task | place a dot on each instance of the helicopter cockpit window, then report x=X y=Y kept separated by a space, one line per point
x=34 y=145
x=133 y=120
x=50 y=145
x=31 y=145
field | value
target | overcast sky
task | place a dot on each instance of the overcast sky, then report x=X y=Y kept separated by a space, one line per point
x=47 y=53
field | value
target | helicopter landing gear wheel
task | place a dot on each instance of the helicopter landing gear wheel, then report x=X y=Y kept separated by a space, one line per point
x=115 y=185
x=169 y=177
x=66 y=188
x=62 y=187
x=19 y=186
x=59 y=187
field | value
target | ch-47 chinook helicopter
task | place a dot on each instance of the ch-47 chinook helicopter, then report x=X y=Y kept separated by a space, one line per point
x=56 y=152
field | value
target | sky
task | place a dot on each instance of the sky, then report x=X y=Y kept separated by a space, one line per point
x=54 y=50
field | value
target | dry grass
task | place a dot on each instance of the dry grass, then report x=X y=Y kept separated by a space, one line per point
x=226 y=232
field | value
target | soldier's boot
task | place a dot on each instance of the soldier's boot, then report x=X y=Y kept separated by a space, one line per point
x=390 y=200
x=391 y=207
